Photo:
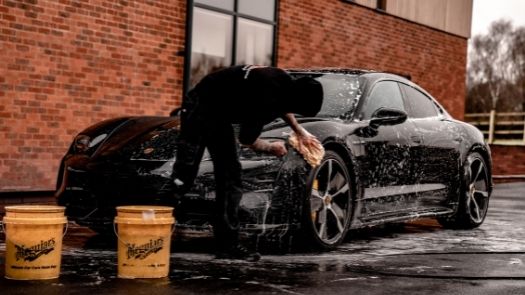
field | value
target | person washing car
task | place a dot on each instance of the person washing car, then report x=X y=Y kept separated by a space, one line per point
x=250 y=96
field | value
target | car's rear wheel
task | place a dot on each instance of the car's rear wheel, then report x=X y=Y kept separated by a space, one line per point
x=474 y=195
x=328 y=207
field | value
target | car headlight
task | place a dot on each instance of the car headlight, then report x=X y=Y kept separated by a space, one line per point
x=83 y=143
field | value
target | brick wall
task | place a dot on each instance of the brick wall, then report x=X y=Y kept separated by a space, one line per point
x=508 y=160
x=340 y=34
x=67 y=64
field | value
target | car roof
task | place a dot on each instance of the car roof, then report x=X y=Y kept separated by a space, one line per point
x=371 y=74
x=330 y=70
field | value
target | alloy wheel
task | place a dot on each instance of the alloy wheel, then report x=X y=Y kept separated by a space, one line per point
x=330 y=201
x=478 y=191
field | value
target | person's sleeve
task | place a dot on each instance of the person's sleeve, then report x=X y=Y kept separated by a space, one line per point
x=249 y=132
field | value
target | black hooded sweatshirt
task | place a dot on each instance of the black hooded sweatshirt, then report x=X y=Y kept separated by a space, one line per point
x=251 y=96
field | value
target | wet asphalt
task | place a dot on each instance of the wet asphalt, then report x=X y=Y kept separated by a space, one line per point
x=411 y=258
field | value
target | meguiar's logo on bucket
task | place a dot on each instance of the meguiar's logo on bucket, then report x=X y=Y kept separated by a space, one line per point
x=143 y=251
x=32 y=253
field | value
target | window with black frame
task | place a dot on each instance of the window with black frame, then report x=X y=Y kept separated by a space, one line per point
x=381 y=5
x=421 y=106
x=385 y=94
x=229 y=32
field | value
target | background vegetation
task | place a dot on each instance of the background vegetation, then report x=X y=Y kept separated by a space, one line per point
x=496 y=70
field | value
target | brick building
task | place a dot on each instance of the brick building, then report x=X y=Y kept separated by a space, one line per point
x=65 y=64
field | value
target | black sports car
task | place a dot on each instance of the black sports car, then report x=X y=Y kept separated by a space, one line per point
x=392 y=154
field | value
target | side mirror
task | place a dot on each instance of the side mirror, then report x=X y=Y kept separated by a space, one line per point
x=387 y=116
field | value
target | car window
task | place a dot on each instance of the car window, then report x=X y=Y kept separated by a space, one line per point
x=341 y=93
x=384 y=94
x=420 y=105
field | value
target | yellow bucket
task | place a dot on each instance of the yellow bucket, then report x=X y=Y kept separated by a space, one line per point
x=144 y=236
x=33 y=235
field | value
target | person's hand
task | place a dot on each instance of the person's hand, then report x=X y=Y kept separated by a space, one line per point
x=277 y=148
x=309 y=147
x=306 y=139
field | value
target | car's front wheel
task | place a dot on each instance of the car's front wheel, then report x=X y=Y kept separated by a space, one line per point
x=328 y=207
x=474 y=195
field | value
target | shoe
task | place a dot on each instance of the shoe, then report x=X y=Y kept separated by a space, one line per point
x=174 y=188
x=178 y=184
x=238 y=252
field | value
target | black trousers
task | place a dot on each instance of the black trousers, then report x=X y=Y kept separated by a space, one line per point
x=202 y=127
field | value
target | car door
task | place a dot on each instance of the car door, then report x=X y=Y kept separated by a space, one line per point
x=436 y=159
x=386 y=168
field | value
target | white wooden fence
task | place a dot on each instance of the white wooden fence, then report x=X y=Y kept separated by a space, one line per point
x=500 y=128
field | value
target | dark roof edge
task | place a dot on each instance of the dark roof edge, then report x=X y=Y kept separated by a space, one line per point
x=352 y=71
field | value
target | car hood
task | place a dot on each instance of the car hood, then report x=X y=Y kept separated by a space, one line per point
x=154 y=138
x=123 y=136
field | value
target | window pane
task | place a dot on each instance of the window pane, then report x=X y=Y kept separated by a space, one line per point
x=211 y=43
x=259 y=8
x=384 y=95
x=420 y=105
x=341 y=95
x=224 y=4
x=254 y=43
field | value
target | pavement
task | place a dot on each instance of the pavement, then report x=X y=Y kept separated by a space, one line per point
x=410 y=258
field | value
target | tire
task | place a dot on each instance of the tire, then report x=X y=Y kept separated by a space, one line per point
x=474 y=195
x=328 y=205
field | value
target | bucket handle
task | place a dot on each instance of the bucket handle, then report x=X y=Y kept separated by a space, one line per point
x=126 y=243
x=63 y=234
x=65 y=230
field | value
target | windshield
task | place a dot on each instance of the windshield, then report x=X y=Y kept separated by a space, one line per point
x=341 y=94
